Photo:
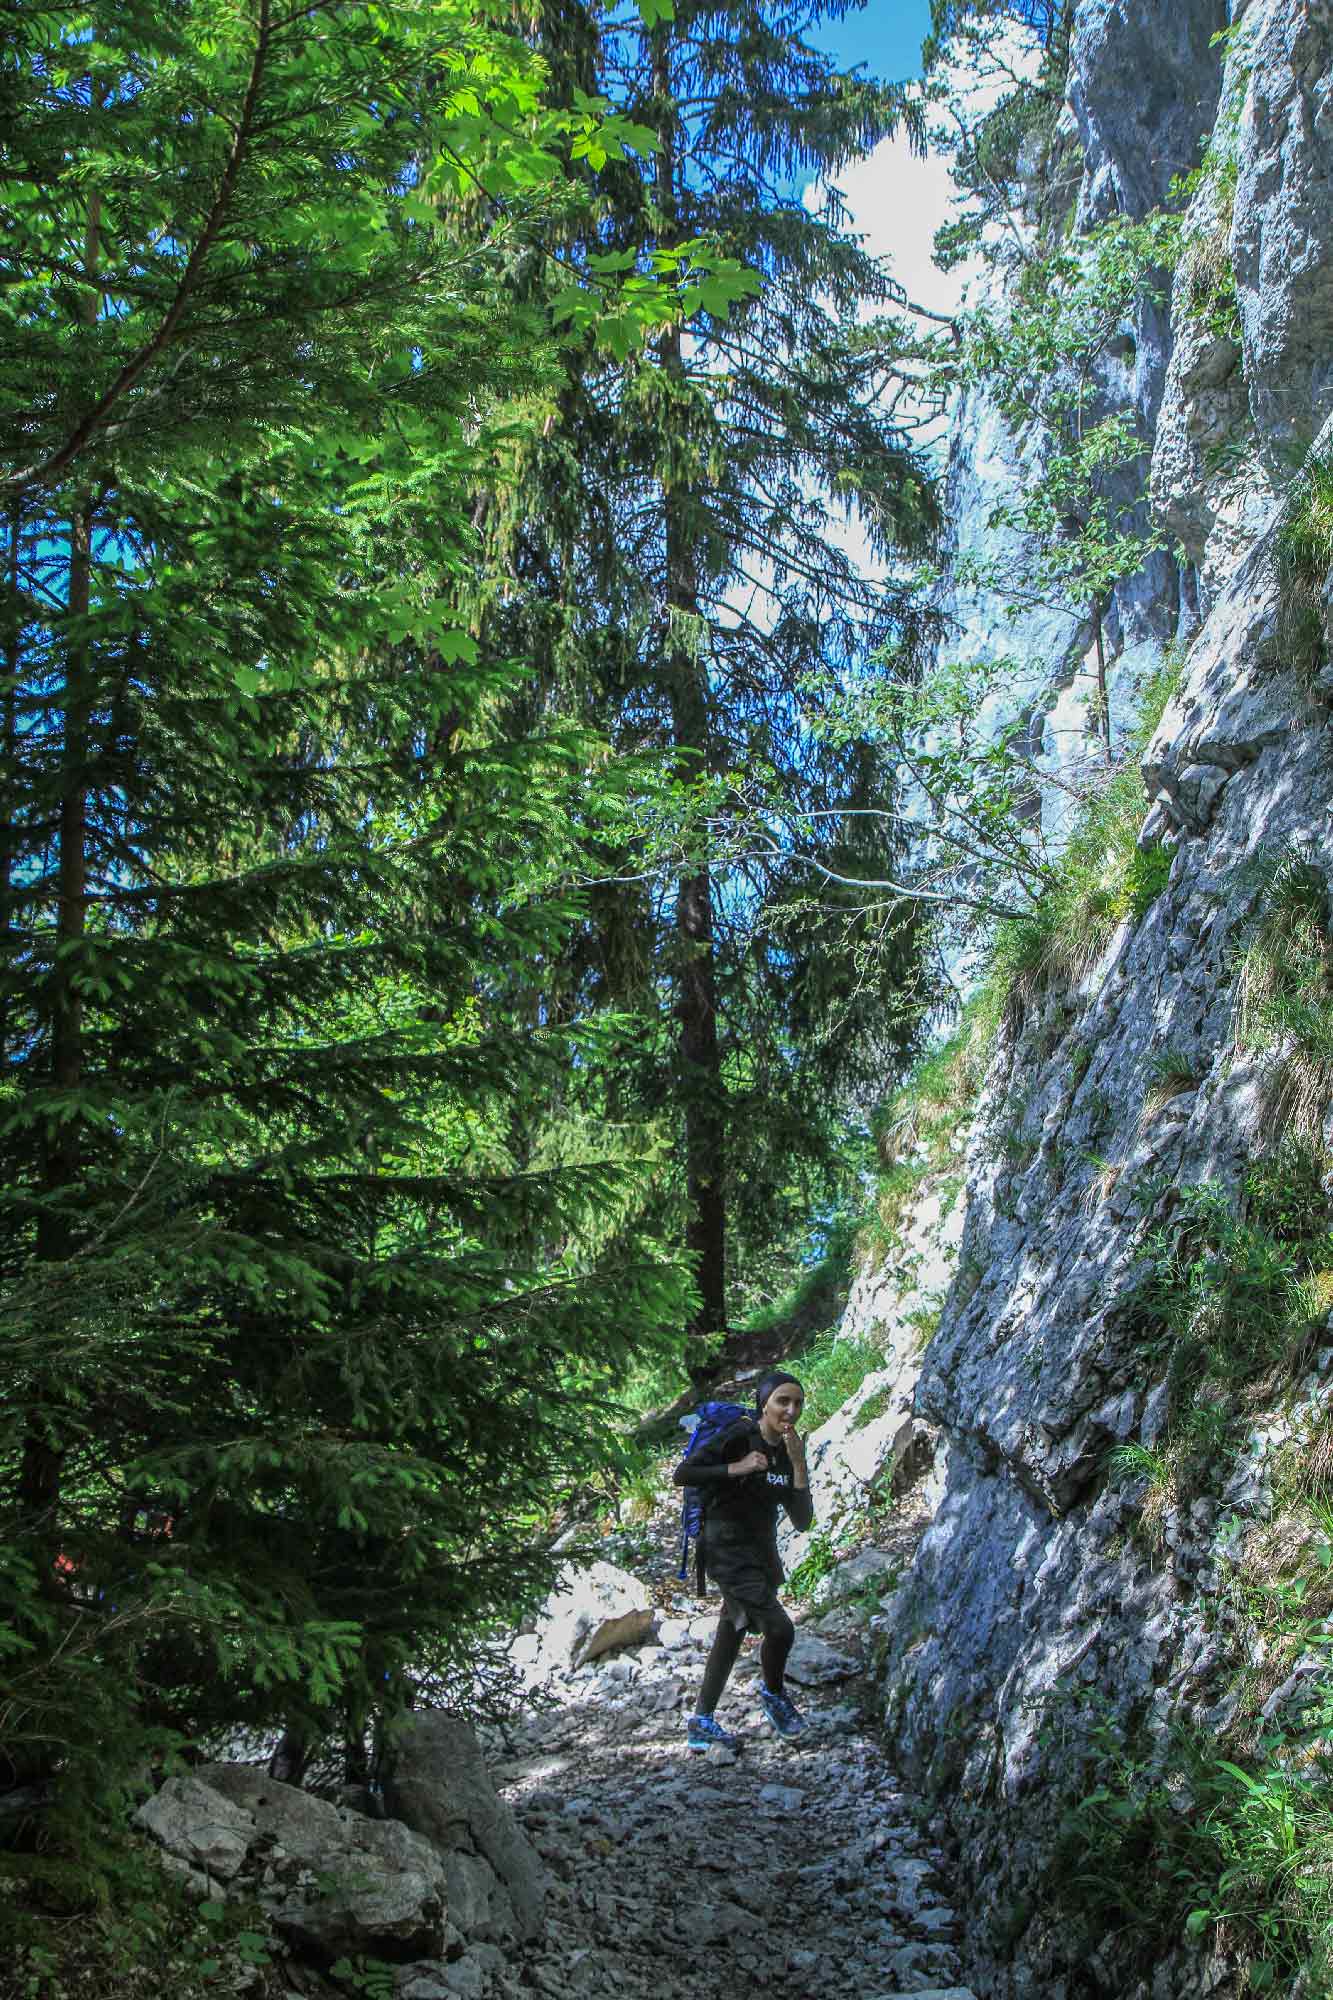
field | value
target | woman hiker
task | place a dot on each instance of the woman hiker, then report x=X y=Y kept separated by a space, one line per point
x=746 y=1474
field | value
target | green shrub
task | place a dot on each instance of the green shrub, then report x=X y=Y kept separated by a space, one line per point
x=656 y=1378
x=1135 y=1854
x=1285 y=1190
x=816 y=1298
x=1171 y=1073
x=87 y=1911
x=1240 y=1288
x=1237 y=1299
x=1174 y=1843
x=831 y=1369
x=1102 y=878
x=918 y=1134
x=820 y=1560
x=918 y=1128
x=1206 y=286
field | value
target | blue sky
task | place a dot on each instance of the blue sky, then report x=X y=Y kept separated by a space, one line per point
x=886 y=36
x=896 y=200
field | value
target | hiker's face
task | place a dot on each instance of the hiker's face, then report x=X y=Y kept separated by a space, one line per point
x=784 y=1406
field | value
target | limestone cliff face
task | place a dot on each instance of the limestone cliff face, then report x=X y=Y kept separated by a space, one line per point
x=1143 y=92
x=1032 y=1607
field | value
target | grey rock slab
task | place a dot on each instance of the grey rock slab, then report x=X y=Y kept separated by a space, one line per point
x=1138 y=130
x=194 y=1822
x=868 y=1566
x=1029 y=1585
x=464 y=1979
x=334 y=1881
x=422 y=1981
x=436 y=1782
x=197 y=1886
x=477 y=1902
x=1282 y=233
x=814 y=1663
x=936 y=1921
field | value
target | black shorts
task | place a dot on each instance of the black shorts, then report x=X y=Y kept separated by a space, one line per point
x=748 y=1579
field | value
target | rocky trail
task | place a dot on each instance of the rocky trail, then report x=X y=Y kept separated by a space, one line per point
x=798 y=1868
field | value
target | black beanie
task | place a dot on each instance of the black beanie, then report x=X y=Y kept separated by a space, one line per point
x=767 y=1383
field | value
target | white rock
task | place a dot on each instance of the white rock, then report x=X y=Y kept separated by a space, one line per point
x=592 y=1611
x=339 y=1882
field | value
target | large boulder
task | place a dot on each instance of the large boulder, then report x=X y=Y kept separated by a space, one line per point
x=436 y=1782
x=196 y=1825
x=331 y=1881
x=592 y=1611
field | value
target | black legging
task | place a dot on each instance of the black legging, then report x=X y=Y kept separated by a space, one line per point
x=779 y=1632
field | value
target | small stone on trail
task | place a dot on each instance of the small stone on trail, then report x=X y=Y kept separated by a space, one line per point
x=784 y=1796
x=930 y=1993
x=840 y=1721
x=813 y=1662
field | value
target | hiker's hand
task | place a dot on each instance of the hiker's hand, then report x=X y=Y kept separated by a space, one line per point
x=754 y=1461
x=795 y=1444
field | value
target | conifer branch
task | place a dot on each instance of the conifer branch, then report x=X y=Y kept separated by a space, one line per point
x=43 y=473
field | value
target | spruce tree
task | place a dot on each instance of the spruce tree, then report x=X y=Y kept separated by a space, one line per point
x=679 y=549
x=299 y=1357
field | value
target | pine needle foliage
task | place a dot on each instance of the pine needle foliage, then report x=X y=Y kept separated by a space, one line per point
x=300 y=1357
x=677 y=534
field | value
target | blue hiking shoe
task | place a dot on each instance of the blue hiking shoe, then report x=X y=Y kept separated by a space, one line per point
x=783 y=1713
x=706 y=1733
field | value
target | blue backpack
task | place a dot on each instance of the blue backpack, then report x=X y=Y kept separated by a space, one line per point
x=708 y=1422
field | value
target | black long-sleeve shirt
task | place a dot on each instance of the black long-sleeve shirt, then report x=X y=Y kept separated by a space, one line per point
x=745 y=1510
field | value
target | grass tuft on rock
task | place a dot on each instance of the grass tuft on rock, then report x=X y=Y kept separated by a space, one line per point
x=831 y=1369
x=1284 y=994
x=1103 y=878
x=1304 y=559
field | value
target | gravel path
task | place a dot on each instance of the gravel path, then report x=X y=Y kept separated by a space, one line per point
x=798 y=1868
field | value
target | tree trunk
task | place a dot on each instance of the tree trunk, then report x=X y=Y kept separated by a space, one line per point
x=1099 y=610
x=43 y=1456
x=39 y=1475
x=702 y=1088
x=701 y=1085
x=9 y=763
